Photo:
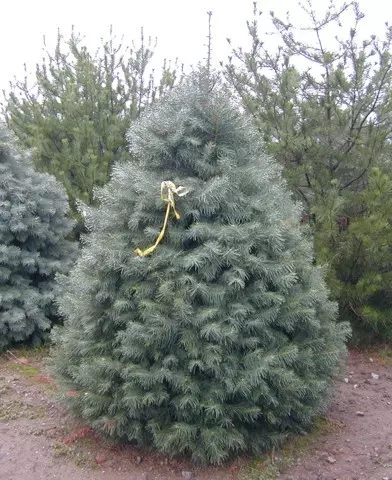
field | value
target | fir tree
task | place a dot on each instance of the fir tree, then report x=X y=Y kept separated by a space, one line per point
x=33 y=248
x=222 y=339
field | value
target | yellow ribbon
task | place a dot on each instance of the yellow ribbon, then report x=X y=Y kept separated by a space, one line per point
x=168 y=189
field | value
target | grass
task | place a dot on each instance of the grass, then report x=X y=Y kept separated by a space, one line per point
x=24 y=370
x=36 y=353
x=4 y=388
x=28 y=362
x=380 y=353
x=80 y=458
x=385 y=355
x=270 y=466
x=12 y=410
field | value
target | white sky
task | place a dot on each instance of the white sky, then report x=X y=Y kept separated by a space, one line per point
x=179 y=25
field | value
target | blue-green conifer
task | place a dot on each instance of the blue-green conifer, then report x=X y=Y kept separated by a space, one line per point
x=223 y=339
x=33 y=245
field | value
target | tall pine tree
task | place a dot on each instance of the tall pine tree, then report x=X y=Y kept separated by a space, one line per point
x=222 y=339
x=33 y=245
x=75 y=116
x=323 y=108
x=360 y=261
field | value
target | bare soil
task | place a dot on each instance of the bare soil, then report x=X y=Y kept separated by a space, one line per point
x=39 y=440
x=362 y=448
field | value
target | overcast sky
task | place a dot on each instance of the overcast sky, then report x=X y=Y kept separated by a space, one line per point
x=179 y=25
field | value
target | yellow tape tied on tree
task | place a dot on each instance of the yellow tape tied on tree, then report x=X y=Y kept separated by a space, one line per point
x=168 y=189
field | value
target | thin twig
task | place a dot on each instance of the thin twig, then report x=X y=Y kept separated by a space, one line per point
x=14 y=356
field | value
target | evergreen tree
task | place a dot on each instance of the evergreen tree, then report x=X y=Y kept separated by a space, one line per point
x=222 y=338
x=360 y=261
x=33 y=248
x=324 y=111
x=76 y=115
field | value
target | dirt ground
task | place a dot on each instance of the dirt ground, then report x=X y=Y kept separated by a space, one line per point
x=40 y=441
